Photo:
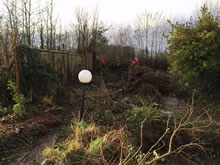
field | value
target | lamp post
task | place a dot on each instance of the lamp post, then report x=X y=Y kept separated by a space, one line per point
x=85 y=76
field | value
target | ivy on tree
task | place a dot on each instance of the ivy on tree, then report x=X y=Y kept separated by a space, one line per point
x=38 y=74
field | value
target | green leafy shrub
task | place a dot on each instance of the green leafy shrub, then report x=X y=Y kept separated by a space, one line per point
x=194 y=52
x=19 y=99
x=138 y=114
x=152 y=126
x=18 y=110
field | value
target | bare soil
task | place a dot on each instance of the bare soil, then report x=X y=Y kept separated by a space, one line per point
x=32 y=155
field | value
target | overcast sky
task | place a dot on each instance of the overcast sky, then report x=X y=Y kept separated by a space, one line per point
x=124 y=11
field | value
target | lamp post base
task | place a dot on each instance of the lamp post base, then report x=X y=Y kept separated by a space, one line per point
x=82 y=104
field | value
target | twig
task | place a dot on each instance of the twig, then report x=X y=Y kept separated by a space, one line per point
x=103 y=157
x=122 y=146
x=193 y=163
x=149 y=151
x=142 y=124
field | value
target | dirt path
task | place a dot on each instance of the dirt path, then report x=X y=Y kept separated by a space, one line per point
x=173 y=105
x=32 y=155
x=49 y=125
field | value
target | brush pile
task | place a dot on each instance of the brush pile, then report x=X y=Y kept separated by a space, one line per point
x=145 y=81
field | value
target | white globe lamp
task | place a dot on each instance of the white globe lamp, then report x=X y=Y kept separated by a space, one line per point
x=85 y=76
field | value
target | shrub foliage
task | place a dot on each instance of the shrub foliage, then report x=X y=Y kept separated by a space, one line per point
x=194 y=52
x=18 y=108
x=37 y=74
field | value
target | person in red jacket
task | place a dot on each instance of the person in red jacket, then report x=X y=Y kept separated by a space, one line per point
x=103 y=69
x=135 y=62
x=102 y=62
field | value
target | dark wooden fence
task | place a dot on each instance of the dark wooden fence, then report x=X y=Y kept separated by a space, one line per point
x=69 y=64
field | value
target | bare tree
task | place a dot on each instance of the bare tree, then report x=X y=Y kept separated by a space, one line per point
x=20 y=15
x=156 y=32
x=41 y=29
x=12 y=13
x=122 y=45
x=26 y=22
x=88 y=30
x=142 y=25
x=150 y=29
x=50 y=22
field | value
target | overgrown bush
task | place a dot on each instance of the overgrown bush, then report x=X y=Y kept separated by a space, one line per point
x=194 y=52
x=38 y=76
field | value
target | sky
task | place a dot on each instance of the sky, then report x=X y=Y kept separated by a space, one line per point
x=124 y=11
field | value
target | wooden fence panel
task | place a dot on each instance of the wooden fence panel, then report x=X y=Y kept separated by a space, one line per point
x=68 y=64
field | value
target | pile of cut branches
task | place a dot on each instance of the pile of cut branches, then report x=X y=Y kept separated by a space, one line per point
x=145 y=81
